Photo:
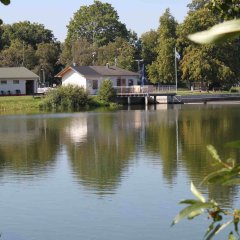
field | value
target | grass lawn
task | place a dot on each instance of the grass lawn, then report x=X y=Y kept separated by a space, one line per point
x=19 y=103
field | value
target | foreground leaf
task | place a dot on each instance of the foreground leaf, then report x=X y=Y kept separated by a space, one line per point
x=218 y=33
x=212 y=177
x=231 y=236
x=213 y=232
x=196 y=193
x=188 y=211
x=214 y=153
x=234 y=144
x=189 y=201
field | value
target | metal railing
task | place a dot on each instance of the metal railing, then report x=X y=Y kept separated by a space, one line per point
x=137 y=89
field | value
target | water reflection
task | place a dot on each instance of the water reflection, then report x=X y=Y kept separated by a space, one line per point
x=100 y=161
x=101 y=147
x=27 y=146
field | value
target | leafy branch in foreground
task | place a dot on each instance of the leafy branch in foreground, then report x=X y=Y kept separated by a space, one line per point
x=228 y=174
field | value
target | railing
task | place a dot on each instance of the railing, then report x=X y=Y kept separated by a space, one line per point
x=136 y=89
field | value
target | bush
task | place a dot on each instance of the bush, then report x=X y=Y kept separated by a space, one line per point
x=66 y=98
x=106 y=91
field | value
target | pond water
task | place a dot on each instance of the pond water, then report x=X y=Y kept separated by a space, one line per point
x=111 y=175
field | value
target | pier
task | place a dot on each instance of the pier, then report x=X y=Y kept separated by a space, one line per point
x=149 y=93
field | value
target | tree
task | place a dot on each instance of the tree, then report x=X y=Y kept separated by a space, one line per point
x=229 y=172
x=149 y=41
x=98 y=23
x=18 y=55
x=228 y=9
x=206 y=64
x=27 y=32
x=119 y=53
x=47 y=55
x=106 y=92
x=163 y=67
x=197 y=4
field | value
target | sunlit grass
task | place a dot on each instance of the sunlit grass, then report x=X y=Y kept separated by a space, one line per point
x=19 y=103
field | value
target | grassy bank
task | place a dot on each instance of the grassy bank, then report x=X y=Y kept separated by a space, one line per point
x=19 y=103
x=28 y=104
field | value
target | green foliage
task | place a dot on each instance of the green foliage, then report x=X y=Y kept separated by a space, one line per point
x=149 y=42
x=227 y=9
x=209 y=63
x=70 y=97
x=106 y=91
x=119 y=52
x=31 y=45
x=197 y=4
x=227 y=174
x=5 y=2
x=162 y=69
x=27 y=32
x=98 y=23
x=47 y=55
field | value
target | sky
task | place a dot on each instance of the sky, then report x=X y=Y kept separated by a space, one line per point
x=138 y=15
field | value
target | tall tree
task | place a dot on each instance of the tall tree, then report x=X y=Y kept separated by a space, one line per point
x=162 y=70
x=149 y=41
x=18 y=55
x=47 y=55
x=228 y=9
x=27 y=32
x=197 y=4
x=98 y=23
x=206 y=64
x=120 y=53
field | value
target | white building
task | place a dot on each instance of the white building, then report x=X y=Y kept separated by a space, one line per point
x=17 y=81
x=90 y=77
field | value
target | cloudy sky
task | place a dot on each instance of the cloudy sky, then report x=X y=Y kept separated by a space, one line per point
x=138 y=15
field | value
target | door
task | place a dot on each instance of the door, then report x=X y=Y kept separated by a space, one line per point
x=29 y=87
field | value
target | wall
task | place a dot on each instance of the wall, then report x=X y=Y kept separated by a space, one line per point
x=73 y=78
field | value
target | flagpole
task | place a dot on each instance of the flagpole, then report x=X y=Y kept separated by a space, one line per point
x=176 y=80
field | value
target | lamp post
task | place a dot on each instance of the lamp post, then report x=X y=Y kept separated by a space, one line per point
x=93 y=56
x=43 y=76
x=138 y=62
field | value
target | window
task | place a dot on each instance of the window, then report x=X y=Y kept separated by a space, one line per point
x=118 y=82
x=121 y=82
x=130 y=82
x=15 y=81
x=3 y=81
x=94 y=84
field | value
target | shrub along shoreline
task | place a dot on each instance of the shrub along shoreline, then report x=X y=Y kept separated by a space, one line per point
x=68 y=98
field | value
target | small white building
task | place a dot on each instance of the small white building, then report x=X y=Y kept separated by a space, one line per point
x=90 y=77
x=17 y=81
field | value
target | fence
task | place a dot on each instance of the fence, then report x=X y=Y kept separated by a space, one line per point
x=136 y=89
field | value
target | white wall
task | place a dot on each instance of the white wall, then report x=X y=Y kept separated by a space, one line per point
x=13 y=87
x=73 y=78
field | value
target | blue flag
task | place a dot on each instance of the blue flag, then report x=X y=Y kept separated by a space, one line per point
x=143 y=76
x=177 y=55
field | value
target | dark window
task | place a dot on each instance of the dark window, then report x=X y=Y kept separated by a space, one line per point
x=15 y=81
x=94 y=84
